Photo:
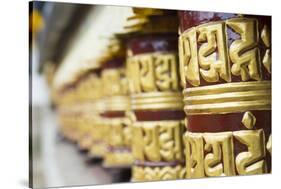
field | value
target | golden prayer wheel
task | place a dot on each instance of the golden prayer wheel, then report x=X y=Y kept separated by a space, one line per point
x=156 y=99
x=89 y=111
x=77 y=106
x=117 y=104
x=179 y=94
x=67 y=113
x=226 y=71
x=98 y=132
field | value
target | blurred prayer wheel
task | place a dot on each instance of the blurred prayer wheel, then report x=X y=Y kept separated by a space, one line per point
x=88 y=85
x=67 y=111
x=225 y=63
x=116 y=121
x=76 y=106
x=156 y=99
x=98 y=132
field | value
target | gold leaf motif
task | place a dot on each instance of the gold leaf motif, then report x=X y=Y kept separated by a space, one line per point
x=249 y=120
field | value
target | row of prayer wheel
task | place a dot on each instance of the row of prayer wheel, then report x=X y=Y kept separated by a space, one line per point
x=180 y=94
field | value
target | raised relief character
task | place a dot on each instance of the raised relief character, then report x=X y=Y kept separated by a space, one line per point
x=252 y=161
x=147 y=77
x=166 y=72
x=244 y=52
x=194 y=155
x=170 y=141
x=219 y=161
x=212 y=54
x=189 y=70
x=151 y=142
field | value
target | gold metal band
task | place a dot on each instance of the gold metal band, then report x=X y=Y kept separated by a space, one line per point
x=157 y=101
x=118 y=103
x=227 y=98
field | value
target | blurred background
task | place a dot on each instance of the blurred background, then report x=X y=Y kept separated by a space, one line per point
x=62 y=36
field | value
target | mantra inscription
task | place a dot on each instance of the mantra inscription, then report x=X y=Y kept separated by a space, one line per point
x=152 y=72
x=158 y=141
x=205 y=51
x=219 y=157
x=158 y=150
x=157 y=146
x=213 y=154
x=120 y=134
x=226 y=69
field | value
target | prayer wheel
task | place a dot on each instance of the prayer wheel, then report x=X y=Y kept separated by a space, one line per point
x=156 y=99
x=225 y=66
x=116 y=121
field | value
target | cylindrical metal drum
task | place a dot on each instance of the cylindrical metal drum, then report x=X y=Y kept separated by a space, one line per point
x=156 y=99
x=225 y=64
x=115 y=86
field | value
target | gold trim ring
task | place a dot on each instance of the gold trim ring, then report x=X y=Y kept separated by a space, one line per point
x=157 y=101
x=228 y=97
